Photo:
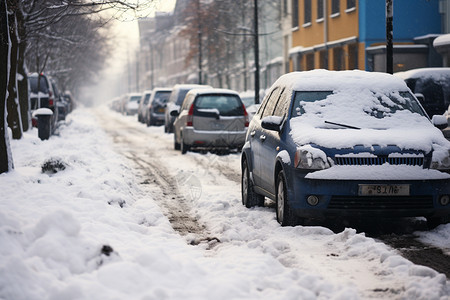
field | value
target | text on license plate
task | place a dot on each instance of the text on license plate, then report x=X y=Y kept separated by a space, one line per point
x=383 y=190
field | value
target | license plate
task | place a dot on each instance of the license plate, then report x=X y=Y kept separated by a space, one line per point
x=383 y=190
x=161 y=110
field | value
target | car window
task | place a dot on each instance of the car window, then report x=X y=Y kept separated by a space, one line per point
x=382 y=104
x=181 y=94
x=282 y=106
x=146 y=98
x=271 y=103
x=135 y=99
x=227 y=105
x=161 y=97
x=34 y=84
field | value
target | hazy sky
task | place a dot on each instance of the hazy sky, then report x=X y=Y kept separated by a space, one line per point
x=125 y=41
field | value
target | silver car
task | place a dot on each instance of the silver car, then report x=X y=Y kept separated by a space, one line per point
x=211 y=119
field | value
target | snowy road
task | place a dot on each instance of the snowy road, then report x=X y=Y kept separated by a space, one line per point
x=200 y=195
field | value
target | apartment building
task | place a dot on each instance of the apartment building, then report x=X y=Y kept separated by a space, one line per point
x=351 y=34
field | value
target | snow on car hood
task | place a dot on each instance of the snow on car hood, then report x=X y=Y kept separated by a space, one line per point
x=380 y=118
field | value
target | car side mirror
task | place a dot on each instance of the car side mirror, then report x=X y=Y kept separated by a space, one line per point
x=439 y=121
x=174 y=113
x=272 y=123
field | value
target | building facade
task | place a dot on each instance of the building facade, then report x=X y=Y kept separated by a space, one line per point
x=351 y=34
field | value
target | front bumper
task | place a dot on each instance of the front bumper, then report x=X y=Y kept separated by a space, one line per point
x=340 y=198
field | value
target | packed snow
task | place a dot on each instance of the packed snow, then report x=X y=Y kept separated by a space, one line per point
x=75 y=223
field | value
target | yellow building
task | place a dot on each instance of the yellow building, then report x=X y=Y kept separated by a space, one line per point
x=325 y=35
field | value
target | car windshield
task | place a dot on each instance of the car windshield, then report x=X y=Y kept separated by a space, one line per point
x=227 y=105
x=135 y=98
x=161 y=97
x=34 y=84
x=248 y=101
x=355 y=109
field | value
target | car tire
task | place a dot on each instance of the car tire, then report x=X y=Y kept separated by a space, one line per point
x=249 y=197
x=183 y=147
x=176 y=145
x=284 y=213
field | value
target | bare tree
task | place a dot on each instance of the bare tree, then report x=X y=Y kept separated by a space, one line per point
x=26 y=26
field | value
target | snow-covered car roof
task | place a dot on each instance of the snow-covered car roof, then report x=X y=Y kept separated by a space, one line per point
x=212 y=91
x=321 y=80
x=436 y=73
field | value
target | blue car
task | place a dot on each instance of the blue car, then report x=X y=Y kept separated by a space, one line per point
x=346 y=144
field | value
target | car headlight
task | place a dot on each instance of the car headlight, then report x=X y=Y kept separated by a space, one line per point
x=440 y=159
x=308 y=157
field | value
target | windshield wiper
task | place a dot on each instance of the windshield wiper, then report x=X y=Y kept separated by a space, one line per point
x=342 y=125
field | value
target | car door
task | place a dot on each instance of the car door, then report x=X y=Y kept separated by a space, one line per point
x=258 y=136
x=270 y=144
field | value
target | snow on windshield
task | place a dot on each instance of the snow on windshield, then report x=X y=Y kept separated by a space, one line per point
x=348 y=108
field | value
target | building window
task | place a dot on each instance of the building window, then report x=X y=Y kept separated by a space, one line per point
x=335 y=7
x=323 y=59
x=310 y=61
x=319 y=9
x=353 y=56
x=338 y=59
x=351 y=4
x=294 y=13
x=307 y=12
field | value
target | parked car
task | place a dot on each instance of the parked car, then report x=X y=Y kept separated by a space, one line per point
x=248 y=98
x=177 y=95
x=143 y=106
x=210 y=119
x=345 y=144
x=130 y=103
x=431 y=86
x=154 y=112
x=42 y=95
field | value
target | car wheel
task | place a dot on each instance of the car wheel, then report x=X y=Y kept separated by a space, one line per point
x=249 y=197
x=285 y=216
x=183 y=147
x=176 y=145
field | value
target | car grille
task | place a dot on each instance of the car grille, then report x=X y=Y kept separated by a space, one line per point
x=377 y=161
x=377 y=203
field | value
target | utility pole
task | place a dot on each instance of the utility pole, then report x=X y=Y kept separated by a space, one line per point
x=199 y=43
x=389 y=37
x=256 y=48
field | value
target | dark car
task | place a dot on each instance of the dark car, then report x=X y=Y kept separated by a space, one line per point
x=42 y=95
x=177 y=95
x=156 y=108
x=141 y=113
x=345 y=144
x=432 y=86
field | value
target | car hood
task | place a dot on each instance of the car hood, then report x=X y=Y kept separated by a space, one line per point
x=419 y=137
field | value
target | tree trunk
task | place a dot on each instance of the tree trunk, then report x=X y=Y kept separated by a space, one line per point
x=5 y=151
x=22 y=84
x=13 y=108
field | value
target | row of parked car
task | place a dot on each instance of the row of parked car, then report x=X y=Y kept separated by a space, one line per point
x=326 y=144
x=48 y=104
x=200 y=116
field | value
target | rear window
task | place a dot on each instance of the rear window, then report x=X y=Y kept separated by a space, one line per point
x=227 y=105
x=34 y=84
x=162 y=97
x=135 y=99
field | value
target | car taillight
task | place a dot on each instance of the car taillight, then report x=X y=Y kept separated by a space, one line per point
x=50 y=99
x=190 y=116
x=245 y=115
